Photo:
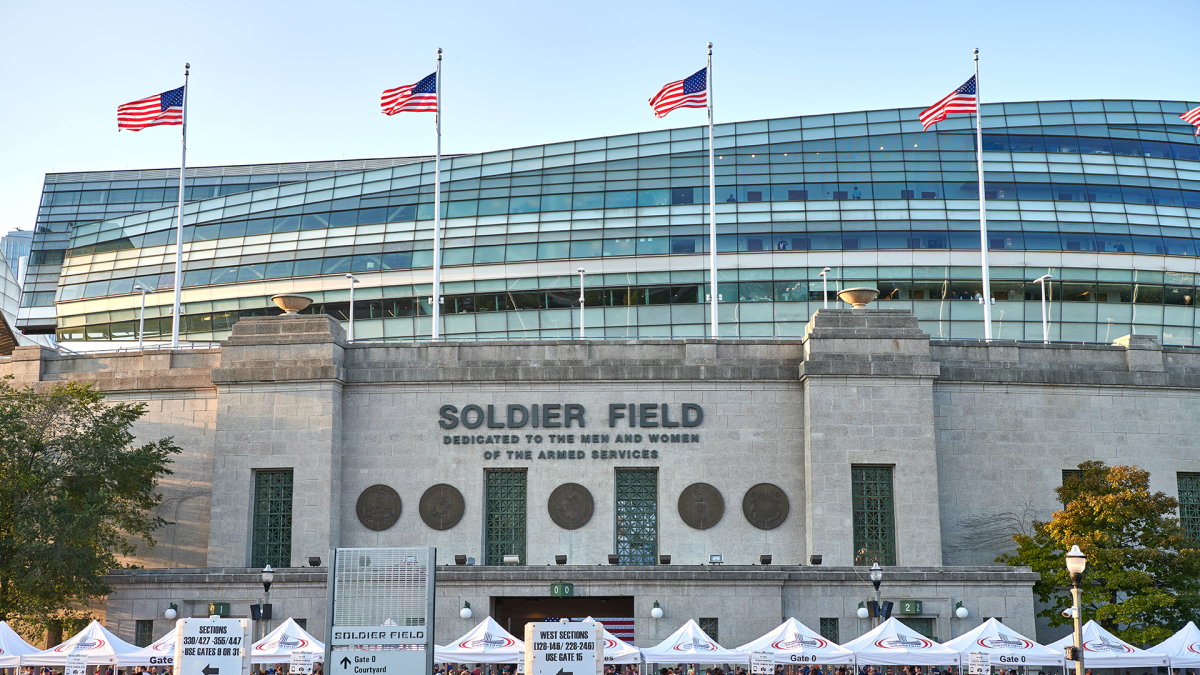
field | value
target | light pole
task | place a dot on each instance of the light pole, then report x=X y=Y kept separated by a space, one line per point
x=1045 y=327
x=353 y=280
x=876 y=578
x=580 y=270
x=825 y=297
x=1076 y=563
x=142 y=316
x=268 y=575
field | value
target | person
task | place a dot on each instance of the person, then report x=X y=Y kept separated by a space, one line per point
x=856 y=194
x=731 y=199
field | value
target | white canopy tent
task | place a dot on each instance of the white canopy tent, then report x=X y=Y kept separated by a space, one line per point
x=161 y=652
x=13 y=647
x=100 y=646
x=892 y=643
x=689 y=644
x=487 y=642
x=1183 y=648
x=278 y=645
x=1004 y=646
x=1102 y=649
x=794 y=643
x=617 y=650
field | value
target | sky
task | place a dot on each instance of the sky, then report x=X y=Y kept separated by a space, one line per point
x=300 y=80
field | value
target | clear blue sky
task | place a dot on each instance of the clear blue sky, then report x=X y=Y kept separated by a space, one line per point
x=288 y=81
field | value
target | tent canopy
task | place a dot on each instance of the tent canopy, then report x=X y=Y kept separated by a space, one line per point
x=278 y=645
x=100 y=646
x=1004 y=646
x=1102 y=649
x=13 y=647
x=487 y=642
x=892 y=643
x=1183 y=648
x=161 y=652
x=617 y=650
x=794 y=643
x=689 y=644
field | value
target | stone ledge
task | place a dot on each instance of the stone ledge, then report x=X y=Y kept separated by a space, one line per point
x=871 y=368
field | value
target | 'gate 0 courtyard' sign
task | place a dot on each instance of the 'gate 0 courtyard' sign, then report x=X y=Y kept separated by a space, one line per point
x=564 y=648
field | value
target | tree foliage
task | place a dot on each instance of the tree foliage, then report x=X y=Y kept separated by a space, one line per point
x=1143 y=572
x=74 y=494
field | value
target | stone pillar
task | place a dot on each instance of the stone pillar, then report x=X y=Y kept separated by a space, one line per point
x=279 y=390
x=868 y=395
x=1142 y=352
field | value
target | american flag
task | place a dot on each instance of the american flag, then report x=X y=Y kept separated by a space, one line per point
x=164 y=108
x=1193 y=117
x=961 y=100
x=419 y=97
x=621 y=628
x=689 y=93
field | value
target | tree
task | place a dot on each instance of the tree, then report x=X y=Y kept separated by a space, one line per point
x=74 y=494
x=1143 y=571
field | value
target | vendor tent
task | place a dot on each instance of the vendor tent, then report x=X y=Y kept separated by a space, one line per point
x=161 y=652
x=100 y=646
x=892 y=643
x=13 y=647
x=617 y=650
x=487 y=642
x=1004 y=646
x=690 y=644
x=1102 y=649
x=793 y=642
x=1183 y=648
x=278 y=645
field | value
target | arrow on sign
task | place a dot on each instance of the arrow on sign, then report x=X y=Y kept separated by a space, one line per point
x=345 y=662
x=209 y=670
x=560 y=672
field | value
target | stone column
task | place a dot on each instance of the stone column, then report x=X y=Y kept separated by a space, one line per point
x=279 y=390
x=868 y=396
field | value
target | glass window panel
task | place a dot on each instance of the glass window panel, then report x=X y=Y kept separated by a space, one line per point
x=652 y=245
x=636 y=516
x=1114 y=292
x=372 y=216
x=458 y=256
x=234 y=229
x=1184 y=151
x=1027 y=143
x=337 y=265
x=1113 y=243
x=404 y=212
x=206 y=232
x=271 y=542
x=1176 y=246
x=489 y=254
x=1156 y=149
x=196 y=277
x=874 y=522
x=278 y=270
x=556 y=202
x=366 y=263
x=519 y=252
x=550 y=250
x=312 y=221
x=590 y=248
x=95 y=289
x=1143 y=244
x=1129 y=147
x=251 y=272
x=619 y=247
x=1042 y=241
x=684 y=245
x=1147 y=294
x=462 y=209
x=755 y=291
x=493 y=207
x=122 y=196
x=341 y=219
x=125 y=285
x=400 y=260
x=621 y=199
x=307 y=267
x=223 y=275
x=587 y=200
x=524 y=204
x=262 y=226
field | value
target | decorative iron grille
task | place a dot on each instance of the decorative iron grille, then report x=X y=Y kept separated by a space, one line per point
x=874 y=515
x=272 y=519
x=505 y=515
x=829 y=630
x=637 y=516
x=1189 y=504
x=711 y=627
x=143 y=633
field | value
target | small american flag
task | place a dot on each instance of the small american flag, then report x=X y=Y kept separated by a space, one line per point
x=164 y=108
x=419 y=97
x=1193 y=117
x=961 y=100
x=688 y=93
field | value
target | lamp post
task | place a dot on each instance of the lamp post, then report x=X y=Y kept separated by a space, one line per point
x=876 y=578
x=580 y=270
x=1045 y=327
x=353 y=280
x=1076 y=563
x=268 y=575
x=142 y=316
x=825 y=297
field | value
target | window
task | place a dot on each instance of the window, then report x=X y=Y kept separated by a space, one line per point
x=1068 y=474
x=710 y=626
x=874 y=515
x=829 y=630
x=1189 y=503
x=636 y=527
x=143 y=632
x=272 y=519
x=922 y=626
x=505 y=513
x=303 y=623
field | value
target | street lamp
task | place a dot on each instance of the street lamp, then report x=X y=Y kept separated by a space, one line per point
x=580 y=270
x=1045 y=327
x=142 y=316
x=353 y=280
x=268 y=575
x=1076 y=563
x=825 y=297
x=876 y=578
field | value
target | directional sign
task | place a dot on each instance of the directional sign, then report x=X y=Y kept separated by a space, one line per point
x=213 y=647
x=762 y=663
x=978 y=663
x=376 y=662
x=76 y=665
x=564 y=648
x=301 y=663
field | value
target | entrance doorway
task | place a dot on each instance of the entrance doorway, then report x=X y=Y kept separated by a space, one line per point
x=514 y=612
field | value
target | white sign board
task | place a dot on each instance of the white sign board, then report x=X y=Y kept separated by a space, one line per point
x=76 y=664
x=376 y=662
x=978 y=663
x=762 y=663
x=301 y=663
x=572 y=648
x=213 y=646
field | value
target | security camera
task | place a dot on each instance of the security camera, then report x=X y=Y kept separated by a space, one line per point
x=1069 y=612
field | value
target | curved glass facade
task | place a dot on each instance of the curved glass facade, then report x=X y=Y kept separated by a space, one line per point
x=1105 y=195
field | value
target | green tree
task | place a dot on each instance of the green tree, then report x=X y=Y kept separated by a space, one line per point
x=1143 y=571
x=74 y=494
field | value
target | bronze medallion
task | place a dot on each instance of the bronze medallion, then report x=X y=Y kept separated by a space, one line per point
x=441 y=506
x=570 y=506
x=701 y=505
x=378 y=507
x=765 y=506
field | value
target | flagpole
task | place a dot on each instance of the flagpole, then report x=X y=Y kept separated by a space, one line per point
x=983 y=238
x=712 y=201
x=437 y=201
x=179 y=221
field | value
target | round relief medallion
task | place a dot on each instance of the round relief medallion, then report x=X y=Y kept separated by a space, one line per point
x=765 y=506
x=378 y=507
x=570 y=506
x=701 y=505
x=442 y=506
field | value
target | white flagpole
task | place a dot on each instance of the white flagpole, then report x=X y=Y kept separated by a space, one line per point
x=983 y=238
x=437 y=201
x=712 y=201
x=179 y=221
